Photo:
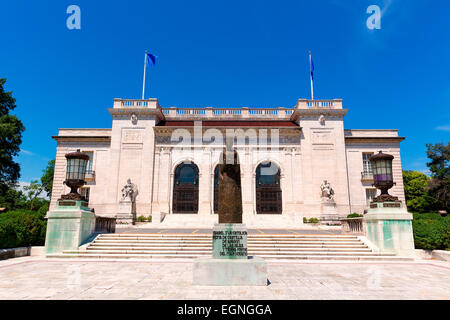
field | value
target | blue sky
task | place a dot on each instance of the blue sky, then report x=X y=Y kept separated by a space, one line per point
x=227 y=53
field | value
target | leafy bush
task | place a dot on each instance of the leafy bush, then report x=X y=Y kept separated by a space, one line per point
x=417 y=194
x=431 y=231
x=305 y=220
x=22 y=228
x=144 y=219
x=354 y=215
x=141 y=219
x=43 y=210
x=313 y=220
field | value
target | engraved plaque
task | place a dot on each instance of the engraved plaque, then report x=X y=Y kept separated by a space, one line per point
x=132 y=136
x=391 y=205
x=322 y=137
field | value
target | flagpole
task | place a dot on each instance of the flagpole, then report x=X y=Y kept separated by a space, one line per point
x=311 y=77
x=143 y=82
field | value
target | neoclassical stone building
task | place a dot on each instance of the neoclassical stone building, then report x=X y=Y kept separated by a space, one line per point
x=286 y=154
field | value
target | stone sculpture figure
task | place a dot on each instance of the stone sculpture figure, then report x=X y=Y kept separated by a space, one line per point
x=230 y=194
x=130 y=191
x=327 y=191
x=322 y=119
x=134 y=119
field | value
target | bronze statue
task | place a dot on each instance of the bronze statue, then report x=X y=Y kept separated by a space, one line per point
x=230 y=194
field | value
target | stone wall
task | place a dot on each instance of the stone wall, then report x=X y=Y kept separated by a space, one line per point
x=355 y=149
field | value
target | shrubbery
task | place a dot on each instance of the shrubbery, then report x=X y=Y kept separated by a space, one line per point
x=22 y=228
x=431 y=231
x=144 y=219
x=354 y=215
x=310 y=220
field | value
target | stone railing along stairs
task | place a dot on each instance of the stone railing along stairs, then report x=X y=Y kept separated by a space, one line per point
x=188 y=246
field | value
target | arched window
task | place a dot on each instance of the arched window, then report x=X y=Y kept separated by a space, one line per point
x=268 y=189
x=216 y=189
x=185 y=189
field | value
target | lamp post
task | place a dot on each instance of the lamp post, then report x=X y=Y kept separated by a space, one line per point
x=382 y=176
x=387 y=224
x=75 y=174
x=70 y=223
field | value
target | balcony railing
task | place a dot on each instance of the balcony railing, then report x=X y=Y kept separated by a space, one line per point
x=90 y=175
x=366 y=176
x=234 y=113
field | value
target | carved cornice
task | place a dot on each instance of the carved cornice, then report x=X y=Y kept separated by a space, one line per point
x=137 y=111
x=299 y=113
x=82 y=138
x=373 y=139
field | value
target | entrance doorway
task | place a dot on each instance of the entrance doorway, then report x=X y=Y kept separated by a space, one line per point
x=185 y=188
x=216 y=189
x=268 y=189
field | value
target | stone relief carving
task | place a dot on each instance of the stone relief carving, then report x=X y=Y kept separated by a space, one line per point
x=134 y=119
x=322 y=119
x=130 y=191
x=327 y=190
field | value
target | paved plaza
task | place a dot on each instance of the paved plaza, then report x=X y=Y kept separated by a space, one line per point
x=40 y=278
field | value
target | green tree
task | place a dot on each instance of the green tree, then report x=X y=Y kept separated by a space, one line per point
x=11 y=129
x=32 y=191
x=417 y=195
x=439 y=186
x=12 y=198
x=47 y=177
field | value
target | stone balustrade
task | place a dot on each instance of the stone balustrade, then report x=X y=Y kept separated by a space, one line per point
x=352 y=226
x=324 y=104
x=279 y=113
x=105 y=224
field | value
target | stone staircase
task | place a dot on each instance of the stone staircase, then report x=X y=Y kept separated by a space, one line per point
x=189 y=246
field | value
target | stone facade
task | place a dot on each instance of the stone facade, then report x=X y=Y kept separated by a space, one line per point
x=308 y=143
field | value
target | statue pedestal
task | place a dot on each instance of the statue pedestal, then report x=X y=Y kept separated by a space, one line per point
x=69 y=225
x=125 y=214
x=389 y=227
x=230 y=241
x=329 y=212
x=230 y=265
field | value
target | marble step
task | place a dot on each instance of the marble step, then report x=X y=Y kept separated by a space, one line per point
x=208 y=245
x=209 y=234
x=190 y=257
x=209 y=252
x=143 y=242
x=198 y=236
x=209 y=249
x=249 y=238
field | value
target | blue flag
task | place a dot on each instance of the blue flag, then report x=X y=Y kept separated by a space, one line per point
x=311 y=66
x=151 y=59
